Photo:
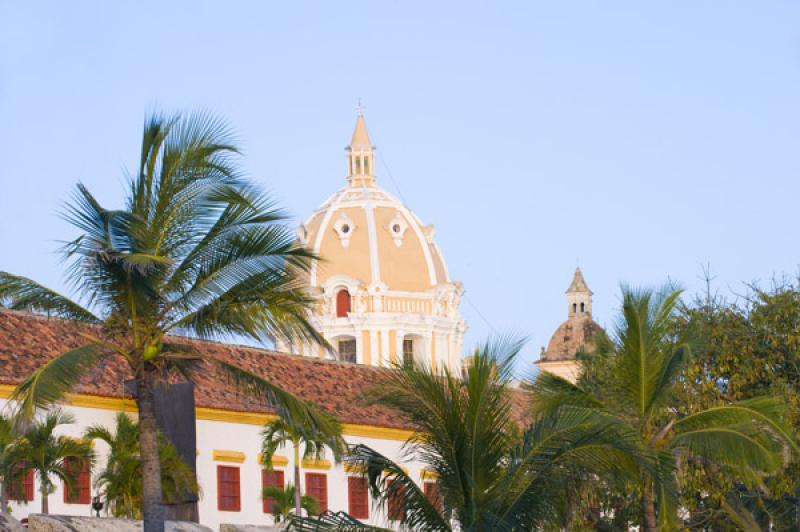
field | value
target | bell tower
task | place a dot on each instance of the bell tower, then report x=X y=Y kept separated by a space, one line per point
x=579 y=297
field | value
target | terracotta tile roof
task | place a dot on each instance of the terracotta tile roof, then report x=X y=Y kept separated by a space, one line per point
x=27 y=341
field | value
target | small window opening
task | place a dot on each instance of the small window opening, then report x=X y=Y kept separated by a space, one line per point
x=574 y=308
x=583 y=308
x=408 y=352
x=345 y=229
x=342 y=303
x=366 y=166
x=396 y=228
x=347 y=351
x=358 y=165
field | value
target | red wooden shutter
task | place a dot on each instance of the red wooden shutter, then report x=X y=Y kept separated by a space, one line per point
x=431 y=490
x=317 y=487
x=228 y=498
x=396 y=510
x=342 y=303
x=358 y=497
x=270 y=478
x=29 y=485
x=20 y=489
x=82 y=487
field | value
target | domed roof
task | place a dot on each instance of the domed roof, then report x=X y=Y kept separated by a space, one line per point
x=573 y=335
x=366 y=234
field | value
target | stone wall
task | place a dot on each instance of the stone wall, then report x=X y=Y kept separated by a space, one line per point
x=249 y=528
x=9 y=524
x=69 y=523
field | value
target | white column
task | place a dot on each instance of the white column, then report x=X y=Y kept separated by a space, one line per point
x=373 y=346
x=385 y=360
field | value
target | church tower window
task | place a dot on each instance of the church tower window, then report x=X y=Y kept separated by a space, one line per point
x=583 y=308
x=574 y=308
x=342 y=303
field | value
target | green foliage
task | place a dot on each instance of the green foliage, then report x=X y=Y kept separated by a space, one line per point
x=40 y=450
x=489 y=476
x=120 y=482
x=638 y=380
x=314 y=438
x=8 y=439
x=282 y=502
x=749 y=348
x=197 y=250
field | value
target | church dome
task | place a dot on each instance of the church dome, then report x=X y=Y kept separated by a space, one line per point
x=368 y=235
x=573 y=335
x=384 y=295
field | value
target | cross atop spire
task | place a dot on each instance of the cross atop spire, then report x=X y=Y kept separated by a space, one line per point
x=360 y=108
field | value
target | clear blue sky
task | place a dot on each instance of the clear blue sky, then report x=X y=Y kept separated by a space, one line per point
x=643 y=139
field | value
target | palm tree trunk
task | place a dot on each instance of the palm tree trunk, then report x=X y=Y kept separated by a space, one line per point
x=45 y=503
x=152 y=500
x=3 y=498
x=298 y=506
x=649 y=512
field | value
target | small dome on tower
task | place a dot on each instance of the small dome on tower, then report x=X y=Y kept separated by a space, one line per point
x=576 y=334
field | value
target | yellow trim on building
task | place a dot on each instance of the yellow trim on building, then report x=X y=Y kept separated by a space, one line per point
x=310 y=463
x=380 y=433
x=217 y=414
x=228 y=456
x=427 y=474
x=78 y=439
x=355 y=469
x=277 y=460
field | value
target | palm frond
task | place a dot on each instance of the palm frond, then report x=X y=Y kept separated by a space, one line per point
x=25 y=294
x=297 y=412
x=49 y=383
x=768 y=412
x=327 y=521
x=549 y=392
x=390 y=485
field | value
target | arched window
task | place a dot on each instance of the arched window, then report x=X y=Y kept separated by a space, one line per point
x=366 y=166
x=574 y=308
x=583 y=308
x=342 y=303
x=358 y=165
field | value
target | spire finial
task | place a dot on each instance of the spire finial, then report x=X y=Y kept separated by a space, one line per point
x=360 y=156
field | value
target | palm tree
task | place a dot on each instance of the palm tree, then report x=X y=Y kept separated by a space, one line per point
x=121 y=480
x=282 y=502
x=646 y=362
x=7 y=440
x=47 y=455
x=197 y=250
x=490 y=475
x=313 y=438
